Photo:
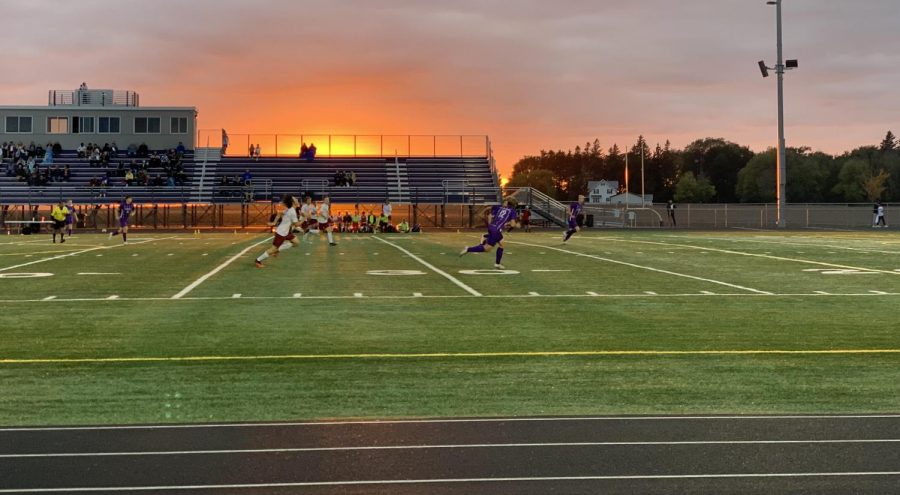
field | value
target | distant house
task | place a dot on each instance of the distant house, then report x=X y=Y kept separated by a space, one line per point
x=599 y=192
x=631 y=199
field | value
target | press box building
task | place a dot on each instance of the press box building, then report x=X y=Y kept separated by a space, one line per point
x=98 y=116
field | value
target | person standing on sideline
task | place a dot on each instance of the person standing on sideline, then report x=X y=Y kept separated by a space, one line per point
x=880 y=220
x=526 y=219
x=59 y=214
x=670 y=208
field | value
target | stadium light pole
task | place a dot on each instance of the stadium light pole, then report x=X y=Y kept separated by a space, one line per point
x=781 y=169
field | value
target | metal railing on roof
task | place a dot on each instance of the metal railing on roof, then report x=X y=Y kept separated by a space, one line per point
x=93 y=97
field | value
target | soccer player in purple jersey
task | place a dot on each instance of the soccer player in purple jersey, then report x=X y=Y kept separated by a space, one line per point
x=576 y=218
x=71 y=218
x=126 y=209
x=500 y=217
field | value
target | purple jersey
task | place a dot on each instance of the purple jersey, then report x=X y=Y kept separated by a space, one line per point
x=501 y=216
x=125 y=210
x=576 y=208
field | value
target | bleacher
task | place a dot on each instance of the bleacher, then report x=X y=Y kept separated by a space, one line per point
x=78 y=189
x=406 y=180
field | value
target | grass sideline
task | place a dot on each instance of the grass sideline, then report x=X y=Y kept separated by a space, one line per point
x=618 y=322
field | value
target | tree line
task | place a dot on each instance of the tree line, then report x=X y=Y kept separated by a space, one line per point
x=714 y=170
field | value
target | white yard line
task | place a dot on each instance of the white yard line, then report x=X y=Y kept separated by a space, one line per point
x=438 y=481
x=657 y=270
x=445 y=447
x=80 y=252
x=789 y=243
x=217 y=269
x=433 y=268
x=755 y=255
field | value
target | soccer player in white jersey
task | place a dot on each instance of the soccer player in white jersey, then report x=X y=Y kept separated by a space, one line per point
x=325 y=219
x=286 y=221
x=308 y=218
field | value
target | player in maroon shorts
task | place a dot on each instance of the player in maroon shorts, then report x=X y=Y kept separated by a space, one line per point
x=309 y=222
x=285 y=221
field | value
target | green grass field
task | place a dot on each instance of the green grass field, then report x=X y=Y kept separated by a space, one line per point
x=615 y=322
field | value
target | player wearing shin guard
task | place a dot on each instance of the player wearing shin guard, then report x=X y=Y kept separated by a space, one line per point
x=285 y=221
x=325 y=220
x=498 y=219
x=71 y=218
x=308 y=213
x=126 y=209
x=576 y=218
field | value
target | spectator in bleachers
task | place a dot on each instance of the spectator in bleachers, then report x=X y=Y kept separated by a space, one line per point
x=67 y=173
x=180 y=148
x=48 y=155
x=81 y=151
x=257 y=152
x=114 y=150
x=95 y=158
x=129 y=178
x=304 y=151
x=311 y=153
x=247 y=177
x=132 y=151
x=143 y=150
x=224 y=142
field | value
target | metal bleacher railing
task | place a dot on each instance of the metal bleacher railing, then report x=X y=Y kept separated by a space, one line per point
x=102 y=98
x=346 y=146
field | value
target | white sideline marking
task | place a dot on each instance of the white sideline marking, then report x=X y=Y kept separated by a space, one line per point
x=433 y=268
x=463 y=296
x=49 y=298
x=667 y=272
x=77 y=253
x=567 y=419
x=551 y=271
x=443 y=446
x=451 y=481
x=97 y=273
x=756 y=255
x=217 y=269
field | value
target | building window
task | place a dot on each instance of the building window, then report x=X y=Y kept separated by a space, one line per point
x=146 y=125
x=18 y=125
x=109 y=125
x=82 y=125
x=179 y=125
x=57 y=125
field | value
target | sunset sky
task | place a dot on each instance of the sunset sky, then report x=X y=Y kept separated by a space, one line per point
x=532 y=74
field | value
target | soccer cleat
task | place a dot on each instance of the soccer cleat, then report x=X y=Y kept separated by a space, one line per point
x=499 y=266
x=259 y=264
x=332 y=244
x=111 y=234
x=61 y=241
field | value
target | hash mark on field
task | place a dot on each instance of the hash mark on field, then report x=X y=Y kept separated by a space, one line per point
x=533 y=294
x=49 y=298
x=417 y=294
x=594 y=294
x=171 y=254
x=357 y=294
x=112 y=298
x=135 y=254
x=205 y=254
x=708 y=293
x=822 y=292
x=99 y=255
x=235 y=296
x=298 y=294
x=650 y=293
x=880 y=293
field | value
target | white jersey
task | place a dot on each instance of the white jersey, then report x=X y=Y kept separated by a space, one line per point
x=386 y=210
x=324 y=214
x=288 y=219
x=308 y=211
x=881 y=211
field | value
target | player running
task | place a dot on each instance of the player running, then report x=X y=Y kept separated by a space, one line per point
x=71 y=218
x=126 y=209
x=576 y=218
x=59 y=214
x=309 y=222
x=500 y=217
x=286 y=221
x=325 y=219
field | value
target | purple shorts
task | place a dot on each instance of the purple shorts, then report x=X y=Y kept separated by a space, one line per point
x=123 y=222
x=70 y=220
x=578 y=221
x=494 y=236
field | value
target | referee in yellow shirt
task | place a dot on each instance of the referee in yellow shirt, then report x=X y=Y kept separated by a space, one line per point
x=59 y=214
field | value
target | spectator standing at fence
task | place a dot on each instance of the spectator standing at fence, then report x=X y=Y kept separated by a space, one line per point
x=526 y=219
x=311 y=153
x=224 y=142
x=257 y=151
x=880 y=220
x=670 y=209
x=304 y=151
